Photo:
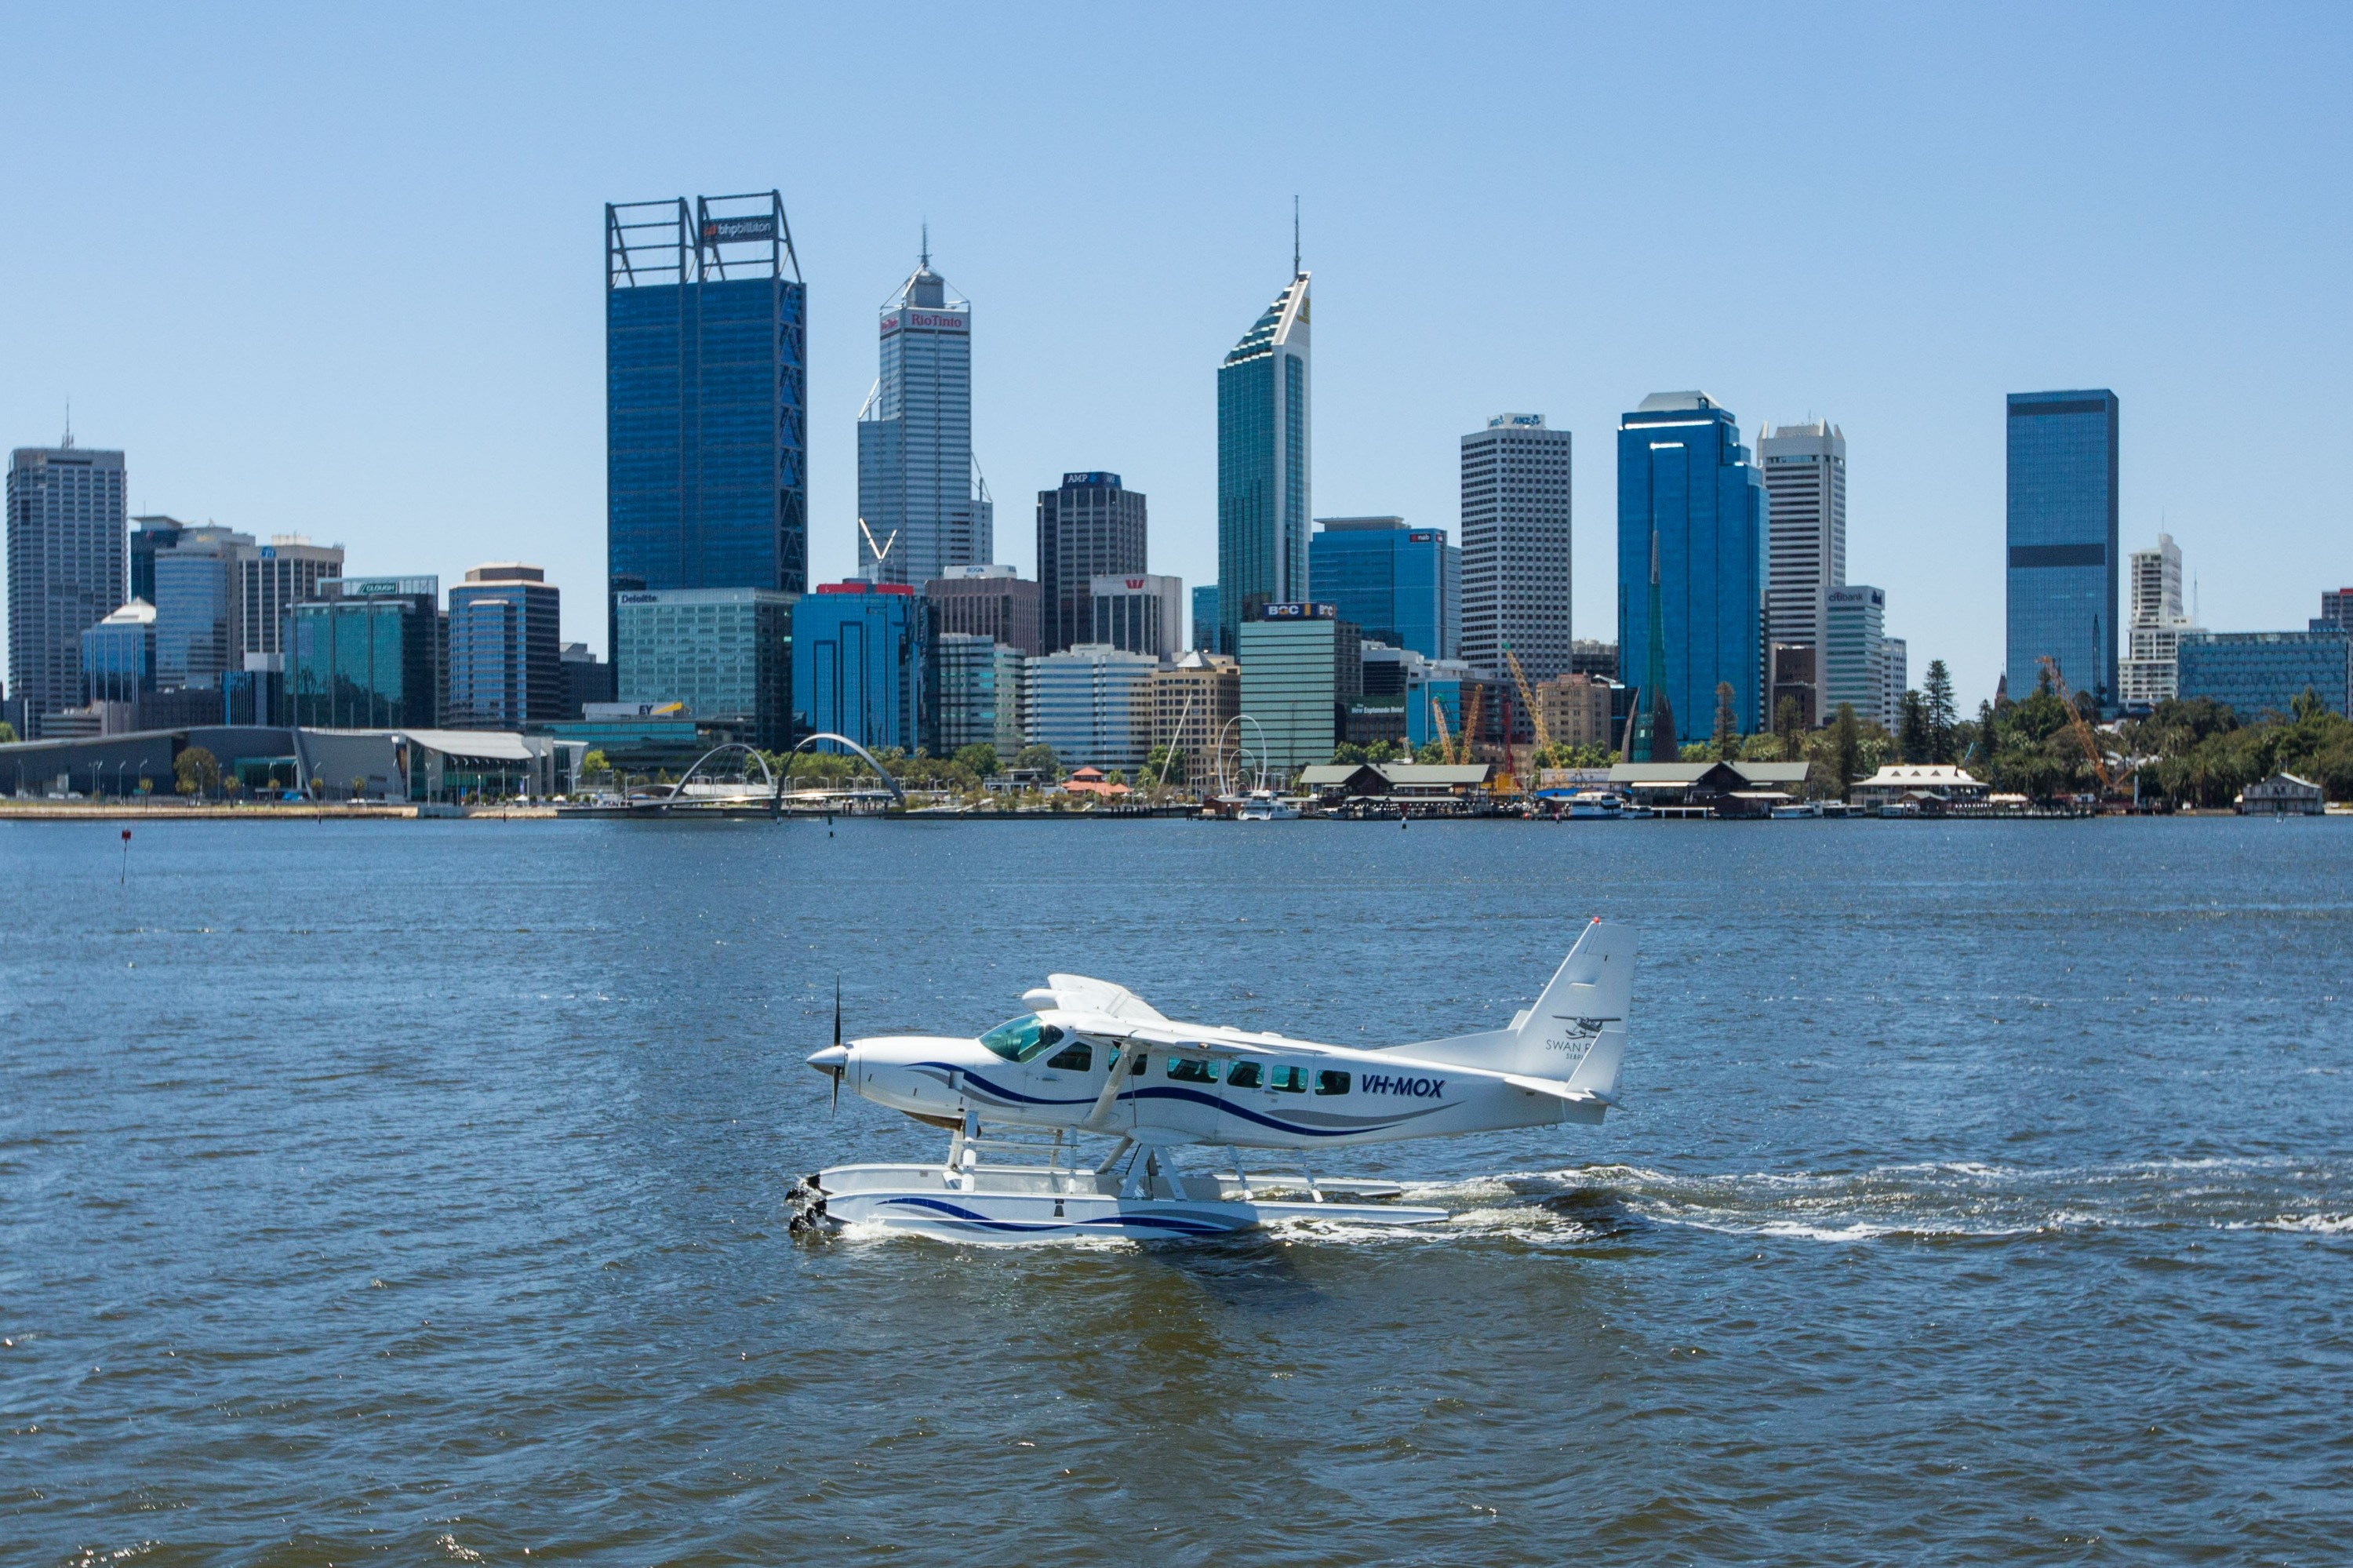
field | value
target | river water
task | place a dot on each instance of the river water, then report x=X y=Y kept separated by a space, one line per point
x=412 y=1191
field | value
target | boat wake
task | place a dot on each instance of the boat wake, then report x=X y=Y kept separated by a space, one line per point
x=1936 y=1202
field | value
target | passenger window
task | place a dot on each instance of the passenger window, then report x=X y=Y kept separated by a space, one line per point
x=1075 y=1058
x=1329 y=1083
x=1243 y=1075
x=1187 y=1070
x=1290 y=1080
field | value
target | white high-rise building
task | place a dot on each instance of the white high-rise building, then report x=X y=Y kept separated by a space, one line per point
x=922 y=505
x=1894 y=679
x=1854 y=652
x=1805 y=491
x=2150 y=671
x=1515 y=546
x=67 y=546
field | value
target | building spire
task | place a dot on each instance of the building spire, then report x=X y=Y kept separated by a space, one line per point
x=927 y=252
x=68 y=443
x=1294 y=233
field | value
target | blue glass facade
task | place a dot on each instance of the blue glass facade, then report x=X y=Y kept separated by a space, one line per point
x=1401 y=586
x=118 y=656
x=858 y=664
x=1684 y=476
x=2062 y=562
x=372 y=654
x=505 y=650
x=2257 y=672
x=706 y=391
x=1263 y=479
x=1205 y=617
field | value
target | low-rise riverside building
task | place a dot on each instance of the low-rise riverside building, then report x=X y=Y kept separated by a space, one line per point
x=1929 y=787
x=2281 y=795
x=1710 y=789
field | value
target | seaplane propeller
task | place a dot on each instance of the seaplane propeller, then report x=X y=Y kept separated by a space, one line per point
x=834 y=1061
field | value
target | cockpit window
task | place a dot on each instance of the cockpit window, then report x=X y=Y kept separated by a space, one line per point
x=1022 y=1038
x=1075 y=1058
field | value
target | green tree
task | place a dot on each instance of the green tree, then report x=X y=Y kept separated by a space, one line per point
x=1432 y=754
x=196 y=769
x=981 y=757
x=1695 y=751
x=1790 y=726
x=1041 y=758
x=7 y=732
x=1164 y=766
x=1845 y=749
x=1912 y=728
x=1943 y=716
x=1727 y=740
x=594 y=765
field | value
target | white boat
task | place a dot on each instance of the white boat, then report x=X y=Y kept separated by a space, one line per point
x=1596 y=804
x=1265 y=806
x=1797 y=809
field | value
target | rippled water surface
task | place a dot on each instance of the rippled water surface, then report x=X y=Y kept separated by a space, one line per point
x=412 y=1191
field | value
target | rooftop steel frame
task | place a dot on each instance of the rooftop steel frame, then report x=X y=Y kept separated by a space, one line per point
x=669 y=242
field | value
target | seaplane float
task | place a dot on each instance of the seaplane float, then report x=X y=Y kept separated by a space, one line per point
x=1095 y=1058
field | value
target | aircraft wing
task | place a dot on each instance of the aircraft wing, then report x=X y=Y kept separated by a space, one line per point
x=1164 y=1036
x=1076 y=994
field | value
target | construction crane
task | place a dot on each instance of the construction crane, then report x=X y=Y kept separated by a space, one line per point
x=1471 y=720
x=1437 y=717
x=1528 y=697
x=2081 y=727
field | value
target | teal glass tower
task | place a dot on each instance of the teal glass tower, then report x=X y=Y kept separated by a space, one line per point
x=1690 y=520
x=1263 y=486
x=706 y=393
x=2063 y=563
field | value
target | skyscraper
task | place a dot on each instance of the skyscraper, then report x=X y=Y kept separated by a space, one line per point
x=506 y=649
x=1684 y=479
x=271 y=578
x=1092 y=526
x=1515 y=546
x=68 y=537
x=1264 y=463
x=1854 y=666
x=2150 y=673
x=2062 y=565
x=921 y=505
x=1139 y=613
x=1805 y=495
x=706 y=391
x=369 y=653
x=195 y=583
x=1402 y=585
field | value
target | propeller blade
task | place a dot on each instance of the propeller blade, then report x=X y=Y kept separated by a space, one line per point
x=836 y=1009
x=836 y=1107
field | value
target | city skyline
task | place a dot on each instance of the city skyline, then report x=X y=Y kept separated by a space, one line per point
x=1100 y=347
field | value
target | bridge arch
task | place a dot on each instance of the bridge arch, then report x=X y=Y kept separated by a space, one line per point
x=871 y=761
x=767 y=773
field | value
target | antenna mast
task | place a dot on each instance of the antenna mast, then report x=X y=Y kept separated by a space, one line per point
x=1294 y=233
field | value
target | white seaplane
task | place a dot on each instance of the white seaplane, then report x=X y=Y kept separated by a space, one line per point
x=1095 y=1058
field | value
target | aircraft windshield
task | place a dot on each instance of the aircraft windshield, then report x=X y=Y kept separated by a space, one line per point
x=1022 y=1038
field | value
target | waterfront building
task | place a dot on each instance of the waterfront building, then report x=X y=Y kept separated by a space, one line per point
x=586 y=678
x=988 y=601
x=974 y=691
x=2148 y=674
x=1932 y=788
x=67 y=534
x=2256 y=672
x=195 y=606
x=1516 y=577
x=506 y=649
x=1194 y=701
x=726 y=653
x=2062 y=565
x=1576 y=709
x=706 y=398
x=646 y=738
x=150 y=535
x=1302 y=665
x=1092 y=703
x=859 y=663
x=368 y=653
x=1093 y=526
x=1140 y=612
x=1264 y=463
x=921 y=504
x=1403 y=585
x=1854 y=653
x=118 y=656
x=1805 y=498
x=272 y=578
x=2282 y=795
x=1204 y=617
x=1690 y=507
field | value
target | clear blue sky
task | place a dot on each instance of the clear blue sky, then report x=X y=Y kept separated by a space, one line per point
x=337 y=270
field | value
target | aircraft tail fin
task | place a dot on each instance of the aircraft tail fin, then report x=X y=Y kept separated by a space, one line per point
x=1576 y=1033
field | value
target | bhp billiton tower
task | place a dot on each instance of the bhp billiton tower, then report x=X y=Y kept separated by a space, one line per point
x=706 y=393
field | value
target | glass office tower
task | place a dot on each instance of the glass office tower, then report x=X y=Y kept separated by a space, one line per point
x=921 y=502
x=1685 y=485
x=858 y=664
x=369 y=653
x=506 y=650
x=1263 y=488
x=706 y=390
x=1402 y=585
x=1093 y=526
x=2064 y=567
